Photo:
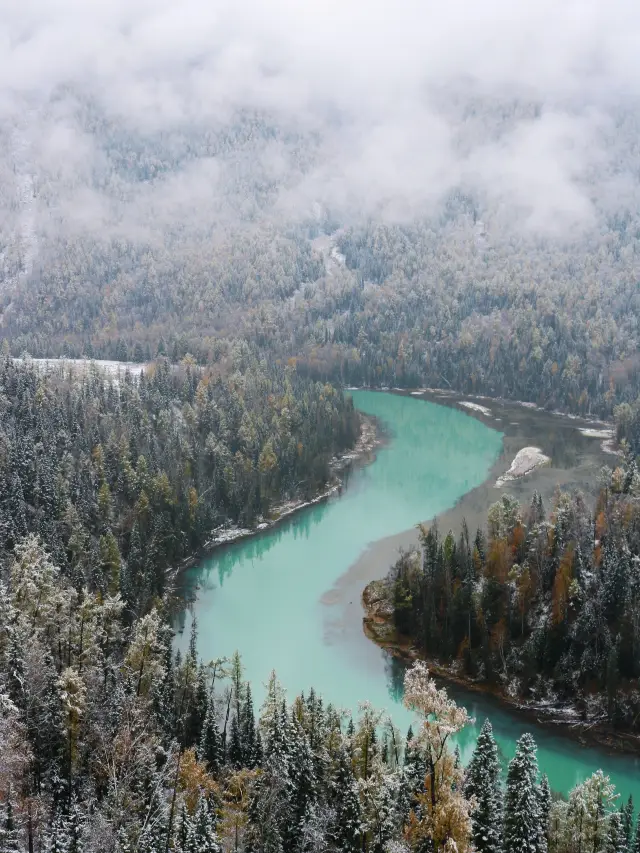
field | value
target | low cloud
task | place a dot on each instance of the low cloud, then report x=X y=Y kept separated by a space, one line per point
x=139 y=114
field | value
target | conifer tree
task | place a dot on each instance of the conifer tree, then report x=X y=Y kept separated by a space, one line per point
x=266 y=813
x=522 y=825
x=8 y=830
x=184 y=829
x=636 y=838
x=615 y=838
x=203 y=837
x=544 y=796
x=345 y=831
x=235 y=744
x=627 y=821
x=483 y=784
x=303 y=780
x=248 y=733
x=211 y=742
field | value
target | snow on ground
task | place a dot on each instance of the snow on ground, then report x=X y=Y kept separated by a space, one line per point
x=608 y=436
x=596 y=433
x=476 y=407
x=113 y=368
x=525 y=461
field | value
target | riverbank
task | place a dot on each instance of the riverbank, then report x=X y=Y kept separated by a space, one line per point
x=563 y=718
x=575 y=460
x=372 y=436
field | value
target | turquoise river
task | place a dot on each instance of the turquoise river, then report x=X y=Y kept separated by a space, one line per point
x=266 y=596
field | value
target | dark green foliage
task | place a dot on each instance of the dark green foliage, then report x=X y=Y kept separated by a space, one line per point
x=122 y=481
x=346 y=828
x=522 y=819
x=538 y=601
x=210 y=749
x=483 y=784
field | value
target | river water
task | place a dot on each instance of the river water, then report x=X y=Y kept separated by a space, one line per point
x=289 y=598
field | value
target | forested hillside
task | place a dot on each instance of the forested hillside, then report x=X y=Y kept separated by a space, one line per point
x=112 y=744
x=122 y=479
x=201 y=232
x=437 y=304
x=543 y=607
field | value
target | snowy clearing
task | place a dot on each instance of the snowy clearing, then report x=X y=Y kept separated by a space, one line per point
x=596 y=433
x=607 y=436
x=525 y=461
x=476 y=407
x=114 y=368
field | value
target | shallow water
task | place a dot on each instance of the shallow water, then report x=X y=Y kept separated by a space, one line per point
x=277 y=597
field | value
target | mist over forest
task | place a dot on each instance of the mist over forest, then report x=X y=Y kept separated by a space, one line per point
x=376 y=190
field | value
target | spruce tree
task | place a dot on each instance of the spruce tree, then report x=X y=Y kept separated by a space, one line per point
x=248 y=731
x=266 y=812
x=210 y=749
x=345 y=831
x=184 y=830
x=483 y=784
x=303 y=780
x=627 y=821
x=204 y=838
x=636 y=838
x=9 y=831
x=522 y=825
x=544 y=796
x=615 y=841
x=235 y=744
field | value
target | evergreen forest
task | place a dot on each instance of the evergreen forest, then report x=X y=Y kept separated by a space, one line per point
x=543 y=607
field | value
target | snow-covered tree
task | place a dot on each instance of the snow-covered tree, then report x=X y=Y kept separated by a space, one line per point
x=210 y=749
x=203 y=837
x=346 y=827
x=522 y=822
x=544 y=795
x=9 y=842
x=589 y=815
x=482 y=785
x=443 y=815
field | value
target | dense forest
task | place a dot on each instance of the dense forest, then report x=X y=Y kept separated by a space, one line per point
x=426 y=305
x=112 y=743
x=460 y=296
x=265 y=203
x=122 y=478
x=543 y=607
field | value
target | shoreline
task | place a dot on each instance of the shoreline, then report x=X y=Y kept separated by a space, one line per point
x=372 y=436
x=564 y=720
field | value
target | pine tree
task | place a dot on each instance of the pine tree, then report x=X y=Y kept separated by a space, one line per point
x=627 y=822
x=235 y=744
x=483 y=784
x=203 y=838
x=615 y=840
x=9 y=831
x=249 y=731
x=265 y=812
x=544 y=796
x=522 y=826
x=211 y=742
x=184 y=830
x=197 y=710
x=75 y=830
x=636 y=838
x=303 y=780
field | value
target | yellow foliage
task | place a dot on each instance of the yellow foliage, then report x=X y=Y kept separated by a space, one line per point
x=194 y=780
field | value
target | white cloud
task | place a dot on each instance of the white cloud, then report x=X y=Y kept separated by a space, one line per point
x=398 y=101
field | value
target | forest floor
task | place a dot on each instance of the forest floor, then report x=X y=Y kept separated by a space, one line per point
x=563 y=717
